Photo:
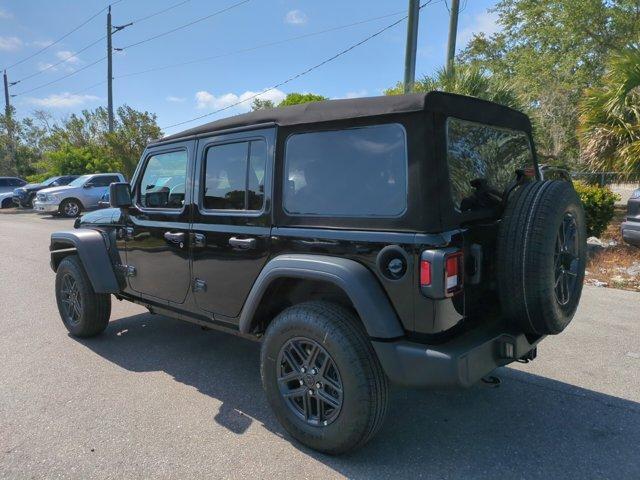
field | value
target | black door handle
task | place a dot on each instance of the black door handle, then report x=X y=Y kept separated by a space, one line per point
x=177 y=238
x=245 y=243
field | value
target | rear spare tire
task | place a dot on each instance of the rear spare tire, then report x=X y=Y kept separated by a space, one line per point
x=541 y=257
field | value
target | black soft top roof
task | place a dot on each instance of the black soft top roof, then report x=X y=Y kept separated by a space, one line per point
x=333 y=110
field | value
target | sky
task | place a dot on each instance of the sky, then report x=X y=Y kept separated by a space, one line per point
x=256 y=44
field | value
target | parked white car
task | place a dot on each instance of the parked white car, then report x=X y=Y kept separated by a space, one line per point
x=83 y=193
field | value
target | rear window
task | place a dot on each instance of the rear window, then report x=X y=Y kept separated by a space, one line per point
x=478 y=151
x=356 y=172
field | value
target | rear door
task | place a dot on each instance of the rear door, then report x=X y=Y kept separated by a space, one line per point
x=232 y=218
x=157 y=224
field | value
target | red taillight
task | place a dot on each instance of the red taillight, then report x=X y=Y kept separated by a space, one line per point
x=453 y=272
x=425 y=273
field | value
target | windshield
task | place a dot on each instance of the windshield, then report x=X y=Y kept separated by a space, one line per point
x=49 y=180
x=483 y=157
x=78 y=182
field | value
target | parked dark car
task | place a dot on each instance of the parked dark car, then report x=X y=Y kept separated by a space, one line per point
x=631 y=227
x=404 y=238
x=7 y=185
x=24 y=195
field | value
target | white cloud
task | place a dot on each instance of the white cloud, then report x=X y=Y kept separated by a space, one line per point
x=5 y=15
x=10 y=44
x=356 y=94
x=296 y=17
x=209 y=101
x=41 y=43
x=485 y=22
x=68 y=57
x=46 y=66
x=62 y=100
x=173 y=99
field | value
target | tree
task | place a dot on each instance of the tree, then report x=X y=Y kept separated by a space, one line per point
x=550 y=51
x=466 y=80
x=299 y=98
x=259 y=104
x=610 y=116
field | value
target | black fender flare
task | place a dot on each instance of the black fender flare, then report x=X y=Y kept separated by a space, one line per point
x=93 y=252
x=367 y=295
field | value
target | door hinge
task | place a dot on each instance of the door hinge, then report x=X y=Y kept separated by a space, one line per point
x=199 y=285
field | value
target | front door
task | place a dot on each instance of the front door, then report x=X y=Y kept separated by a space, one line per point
x=157 y=225
x=95 y=188
x=232 y=218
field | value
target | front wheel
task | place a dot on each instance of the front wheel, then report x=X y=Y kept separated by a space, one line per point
x=322 y=377
x=70 y=208
x=84 y=312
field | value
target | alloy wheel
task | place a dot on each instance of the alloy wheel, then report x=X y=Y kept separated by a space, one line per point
x=566 y=259
x=71 y=209
x=71 y=300
x=309 y=381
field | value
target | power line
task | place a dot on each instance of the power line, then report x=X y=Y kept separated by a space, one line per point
x=64 y=60
x=61 y=78
x=55 y=42
x=142 y=19
x=298 y=75
x=257 y=47
x=198 y=20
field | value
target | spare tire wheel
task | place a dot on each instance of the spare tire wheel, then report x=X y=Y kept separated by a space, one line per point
x=541 y=256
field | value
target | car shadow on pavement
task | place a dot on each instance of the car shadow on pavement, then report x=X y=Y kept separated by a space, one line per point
x=529 y=427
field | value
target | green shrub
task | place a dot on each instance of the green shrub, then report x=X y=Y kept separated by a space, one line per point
x=599 y=205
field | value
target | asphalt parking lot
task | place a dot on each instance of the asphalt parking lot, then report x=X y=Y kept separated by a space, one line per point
x=158 y=398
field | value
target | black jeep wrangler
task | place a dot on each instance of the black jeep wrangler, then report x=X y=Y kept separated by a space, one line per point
x=408 y=239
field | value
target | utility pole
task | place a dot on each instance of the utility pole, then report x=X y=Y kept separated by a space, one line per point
x=8 y=120
x=412 y=45
x=453 y=33
x=109 y=71
x=110 y=31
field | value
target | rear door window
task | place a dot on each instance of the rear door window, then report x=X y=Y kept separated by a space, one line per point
x=356 y=172
x=476 y=151
x=235 y=175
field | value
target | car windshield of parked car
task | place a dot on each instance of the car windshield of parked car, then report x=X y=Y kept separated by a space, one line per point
x=78 y=182
x=483 y=154
x=49 y=180
x=356 y=172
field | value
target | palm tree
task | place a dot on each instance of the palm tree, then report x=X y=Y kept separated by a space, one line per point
x=466 y=80
x=610 y=116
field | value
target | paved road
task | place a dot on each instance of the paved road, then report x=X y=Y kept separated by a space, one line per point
x=157 y=398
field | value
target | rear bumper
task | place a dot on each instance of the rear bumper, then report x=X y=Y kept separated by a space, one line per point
x=631 y=232
x=460 y=362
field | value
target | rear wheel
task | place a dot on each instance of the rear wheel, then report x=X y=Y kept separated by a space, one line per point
x=542 y=256
x=84 y=312
x=6 y=203
x=322 y=377
x=70 y=208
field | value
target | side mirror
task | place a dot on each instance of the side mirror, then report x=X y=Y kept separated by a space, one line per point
x=120 y=195
x=88 y=185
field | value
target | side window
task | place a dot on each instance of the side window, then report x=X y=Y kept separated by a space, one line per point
x=163 y=183
x=4 y=182
x=234 y=176
x=356 y=172
x=104 y=180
